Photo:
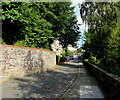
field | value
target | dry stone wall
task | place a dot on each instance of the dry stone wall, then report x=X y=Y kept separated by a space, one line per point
x=18 y=61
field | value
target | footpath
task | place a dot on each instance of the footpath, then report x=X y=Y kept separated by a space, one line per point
x=68 y=80
x=85 y=87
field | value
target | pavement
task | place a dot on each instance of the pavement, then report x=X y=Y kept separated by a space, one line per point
x=67 y=80
x=85 y=87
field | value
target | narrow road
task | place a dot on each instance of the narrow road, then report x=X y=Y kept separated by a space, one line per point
x=85 y=87
x=68 y=80
x=44 y=85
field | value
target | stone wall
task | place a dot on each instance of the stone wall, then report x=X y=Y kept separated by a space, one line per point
x=108 y=81
x=18 y=61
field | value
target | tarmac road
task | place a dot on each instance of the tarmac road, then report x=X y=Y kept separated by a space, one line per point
x=45 y=85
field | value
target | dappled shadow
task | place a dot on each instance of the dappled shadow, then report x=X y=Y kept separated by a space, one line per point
x=73 y=64
x=51 y=83
x=48 y=84
x=69 y=65
x=75 y=60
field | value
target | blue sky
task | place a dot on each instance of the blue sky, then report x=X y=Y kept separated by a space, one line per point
x=77 y=13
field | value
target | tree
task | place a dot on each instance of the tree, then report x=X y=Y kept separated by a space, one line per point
x=64 y=23
x=37 y=24
x=102 y=37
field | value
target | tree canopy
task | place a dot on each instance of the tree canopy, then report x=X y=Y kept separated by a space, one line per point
x=102 y=45
x=37 y=24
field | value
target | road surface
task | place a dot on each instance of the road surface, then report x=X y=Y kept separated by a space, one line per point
x=68 y=80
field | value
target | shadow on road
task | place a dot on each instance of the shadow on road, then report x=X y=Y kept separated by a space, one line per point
x=46 y=85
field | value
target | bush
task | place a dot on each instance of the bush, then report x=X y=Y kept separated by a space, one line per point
x=94 y=60
x=86 y=60
x=1 y=41
x=58 y=58
x=20 y=43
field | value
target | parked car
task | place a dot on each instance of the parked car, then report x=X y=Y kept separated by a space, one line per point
x=64 y=59
x=79 y=58
x=71 y=57
x=67 y=58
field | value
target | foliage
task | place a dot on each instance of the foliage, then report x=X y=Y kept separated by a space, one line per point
x=94 y=60
x=1 y=41
x=20 y=43
x=37 y=24
x=58 y=58
x=79 y=50
x=86 y=60
x=102 y=45
x=67 y=52
x=23 y=24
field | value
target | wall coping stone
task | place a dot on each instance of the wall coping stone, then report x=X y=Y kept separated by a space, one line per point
x=26 y=48
x=109 y=81
x=116 y=77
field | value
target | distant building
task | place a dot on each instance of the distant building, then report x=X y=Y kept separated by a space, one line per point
x=71 y=48
x=57 y=47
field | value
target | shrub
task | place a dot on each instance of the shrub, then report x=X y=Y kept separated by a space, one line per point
x=20 y=43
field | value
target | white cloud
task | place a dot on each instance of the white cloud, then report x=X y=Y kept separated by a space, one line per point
x=79 y=19
x=71 y=48
x=77 y=11
x=82 y=27
x=76 y=2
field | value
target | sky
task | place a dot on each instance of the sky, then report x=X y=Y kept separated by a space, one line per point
x=82 y=26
